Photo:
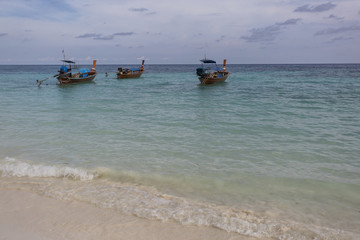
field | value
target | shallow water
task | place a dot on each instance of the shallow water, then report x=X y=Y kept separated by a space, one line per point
x=272 y=152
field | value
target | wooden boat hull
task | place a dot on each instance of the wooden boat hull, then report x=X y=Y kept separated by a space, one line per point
x=210 y=73
x=63 y=79
x=130 y=72
x=130 y=75
x=208 y=79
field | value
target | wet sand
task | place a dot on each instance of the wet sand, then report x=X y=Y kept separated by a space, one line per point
x=26 y=215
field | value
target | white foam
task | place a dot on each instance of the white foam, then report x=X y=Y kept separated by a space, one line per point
x=10 y=167
x=147 y=202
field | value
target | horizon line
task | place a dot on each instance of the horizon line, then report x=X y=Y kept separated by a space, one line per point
x=319 y=63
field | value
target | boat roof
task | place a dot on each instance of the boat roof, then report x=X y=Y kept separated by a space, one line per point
x=132 y=69
x=68 y=61
x=207 y=61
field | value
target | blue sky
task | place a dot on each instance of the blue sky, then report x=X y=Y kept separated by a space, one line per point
x=125 y=31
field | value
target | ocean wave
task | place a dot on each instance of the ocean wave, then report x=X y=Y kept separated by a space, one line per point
x=11 y=167
x=149 y=203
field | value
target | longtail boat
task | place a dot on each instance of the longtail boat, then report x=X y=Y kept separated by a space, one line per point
x=130 y=72
x=210 y=73
x=66 y=75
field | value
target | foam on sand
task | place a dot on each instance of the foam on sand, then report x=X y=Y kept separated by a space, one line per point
x=93 y=187
x=25 y=215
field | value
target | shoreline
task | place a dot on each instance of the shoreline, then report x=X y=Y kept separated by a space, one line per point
x=55 y=207
x=27 y=215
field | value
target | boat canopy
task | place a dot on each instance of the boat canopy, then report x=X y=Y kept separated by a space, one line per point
x=84 y=70
x=68 y=61
x=207 y=61
x=135 y=69
x=63 y=69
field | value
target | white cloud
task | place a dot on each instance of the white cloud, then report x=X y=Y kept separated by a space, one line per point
x=178 y=31
x=317 y=8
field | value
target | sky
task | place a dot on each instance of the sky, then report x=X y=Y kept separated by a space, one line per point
x=179 y=32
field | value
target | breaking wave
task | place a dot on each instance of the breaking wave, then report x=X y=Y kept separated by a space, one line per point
x=11 y=167
x=147 y=202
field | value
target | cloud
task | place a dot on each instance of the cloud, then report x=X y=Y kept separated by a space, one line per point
x=138 y=9
x=269 y=33
x=339 y=39
x=88 y=35
x=291 y=21
x=136 y=47
x=39 y=10
x=109 y=37
x=330 y=31
x=123 y=34
x=145 y=11
x=97 y=36
x=222 y=37
x=319 y=8
x=332 y=16
x=150 y=13
x=95 y=24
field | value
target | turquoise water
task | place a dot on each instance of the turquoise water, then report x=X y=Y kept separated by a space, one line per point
x=274 y=152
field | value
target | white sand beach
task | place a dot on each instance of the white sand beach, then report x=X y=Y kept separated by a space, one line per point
x=26 y=215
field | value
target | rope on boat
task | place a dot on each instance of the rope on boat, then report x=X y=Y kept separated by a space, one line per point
x=40 y=82
x=107 y=73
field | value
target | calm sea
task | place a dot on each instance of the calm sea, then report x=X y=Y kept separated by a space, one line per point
x=274 y=152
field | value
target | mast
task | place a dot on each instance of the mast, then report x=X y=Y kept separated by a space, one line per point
x=142 y=64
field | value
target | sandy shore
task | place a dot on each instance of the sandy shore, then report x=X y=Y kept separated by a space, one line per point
x=26 y=215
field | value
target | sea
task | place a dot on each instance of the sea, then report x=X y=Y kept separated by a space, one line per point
x=272 y=153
